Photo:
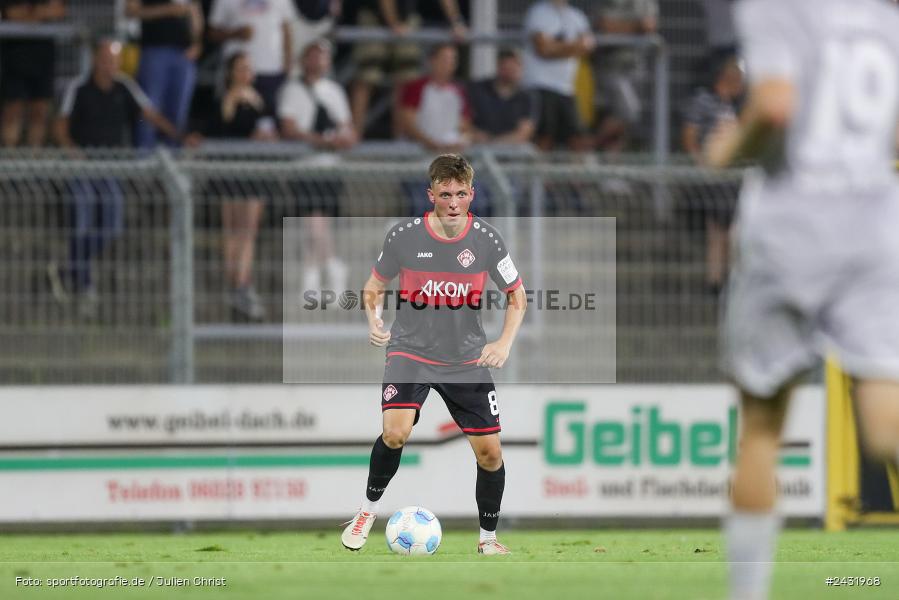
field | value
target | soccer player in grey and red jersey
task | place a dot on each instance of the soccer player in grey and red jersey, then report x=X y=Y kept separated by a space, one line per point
x=443 y=260
x=818 y=263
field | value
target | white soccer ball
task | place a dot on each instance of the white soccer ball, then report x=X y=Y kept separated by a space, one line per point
x=413 y=530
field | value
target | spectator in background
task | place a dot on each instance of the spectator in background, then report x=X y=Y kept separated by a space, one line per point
x=170 y=44
x=706 y=111
x=241 y=115
x=100 y=111
x=171 y=31
x=27 y=72
x=434 y=109
x=618 y=70
x=263 y=30
x=315 y=110
x=558 y=35
x=241 y=112
x=503 y=112
x=402 y=60
x=317 y=19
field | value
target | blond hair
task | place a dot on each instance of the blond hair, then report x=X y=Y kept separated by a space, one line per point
x=451 y=167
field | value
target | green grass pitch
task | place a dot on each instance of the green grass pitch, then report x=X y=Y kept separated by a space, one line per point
x=546 y=565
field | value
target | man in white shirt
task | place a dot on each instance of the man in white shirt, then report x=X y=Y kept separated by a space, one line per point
x=558 y=34
x=315 y=109
x=434 y=109
x=262 y=30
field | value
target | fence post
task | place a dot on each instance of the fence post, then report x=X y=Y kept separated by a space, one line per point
x=537 y=194
x=484 y=18
x=662 y=125
x=503 y=195
x=181 y=282
x=502 y=187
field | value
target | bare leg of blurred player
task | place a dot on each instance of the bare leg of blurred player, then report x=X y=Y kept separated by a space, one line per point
x=779 y=307
x=751 y=528
x=878 y=414
x=489 y=488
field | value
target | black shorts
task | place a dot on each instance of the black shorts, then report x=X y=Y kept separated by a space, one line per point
x=468 y=392
x=558 y=117
x=315 y=196
x=24 y=82
x=238 y=189
x=269 y=86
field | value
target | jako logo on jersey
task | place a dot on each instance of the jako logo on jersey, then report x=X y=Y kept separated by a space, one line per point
x=445 y=289
x=389 y=392
x=465 y=258
x=425 y=255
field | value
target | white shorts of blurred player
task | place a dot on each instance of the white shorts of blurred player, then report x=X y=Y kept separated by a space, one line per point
x=813 y=275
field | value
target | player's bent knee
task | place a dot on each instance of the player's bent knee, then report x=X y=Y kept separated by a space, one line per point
x=490 y=459
x=395 y=437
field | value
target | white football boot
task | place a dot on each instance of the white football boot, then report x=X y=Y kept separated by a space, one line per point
x=492 y=547
x=356 y=533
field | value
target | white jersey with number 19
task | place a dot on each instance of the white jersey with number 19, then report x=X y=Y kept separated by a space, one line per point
x=843 y=58
x=818 y=250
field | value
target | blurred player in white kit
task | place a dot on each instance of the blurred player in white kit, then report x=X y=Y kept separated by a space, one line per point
x=817 y=269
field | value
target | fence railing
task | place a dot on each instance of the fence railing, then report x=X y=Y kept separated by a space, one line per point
x=74 y=33
x=126 y=268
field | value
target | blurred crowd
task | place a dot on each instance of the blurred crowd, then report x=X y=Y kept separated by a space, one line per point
x=266 y=70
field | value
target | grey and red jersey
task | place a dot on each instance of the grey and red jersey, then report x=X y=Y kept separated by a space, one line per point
x=442 y=283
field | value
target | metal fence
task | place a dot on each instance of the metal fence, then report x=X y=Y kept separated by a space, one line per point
x=107 y=223
x=72 y=40
x=133 y=268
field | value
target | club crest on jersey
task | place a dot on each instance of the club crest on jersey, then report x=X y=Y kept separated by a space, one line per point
x=389 y=392
x=465 y=258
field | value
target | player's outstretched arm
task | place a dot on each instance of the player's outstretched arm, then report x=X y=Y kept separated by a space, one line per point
x=372 y=299
x=496 y=353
